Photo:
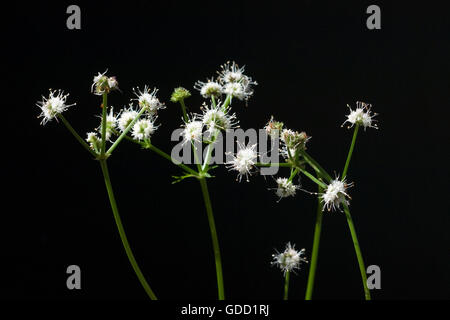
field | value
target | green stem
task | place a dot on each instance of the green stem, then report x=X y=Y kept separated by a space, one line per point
x=183 y=108
x=315 y=165
x=286 y=285
x=123 y=236
x=350 y=152
x=215 y=240
x=315 y=249
x=76 y=135
x=124 y=133
x=168 y=157
x=104 y=115
x=312 y=178
x=362 y=268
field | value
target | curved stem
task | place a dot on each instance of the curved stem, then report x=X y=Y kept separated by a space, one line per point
x=122 y=234
x=168 y=157
x=316 y=166
x=104 y=115
x=215 y=241
x=362 y=268
x=350 y=152
x=286 y=285
x=315 y=249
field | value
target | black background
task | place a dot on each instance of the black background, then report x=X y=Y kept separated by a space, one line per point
x=310 y=59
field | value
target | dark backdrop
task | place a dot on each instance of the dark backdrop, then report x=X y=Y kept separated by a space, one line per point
x=310 y=60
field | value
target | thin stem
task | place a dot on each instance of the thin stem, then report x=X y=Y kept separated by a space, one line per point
x=362 y=268
x=286 y=285
x=76 y=135
x=123 y=236
x=314 y=179
x=316 y=166
x=124 y=133
x=350 y=152
x=215 y=241
x=205 y=166
x=315 y=249
x=183 y=108
x=104 y=115
x=168 y=157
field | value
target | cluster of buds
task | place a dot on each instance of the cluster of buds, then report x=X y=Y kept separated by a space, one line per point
x=104 y=84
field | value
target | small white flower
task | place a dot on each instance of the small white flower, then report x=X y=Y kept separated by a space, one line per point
x=361 y=116
x=244 y=161
x=126 y=117
x=144 y=128
x=235 y=82
x=231 y=73
x=274 y=128
x=148 y=100
x=285 y=188
x=111 y=124
x=53 y=105
x=193 y=131
x=94 y=141
x=209 y=88
x=235 y=89
x=290 y=259
x=112 y=83
x=335 y=194
x=215 y=118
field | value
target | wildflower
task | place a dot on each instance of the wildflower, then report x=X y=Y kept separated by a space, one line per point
x=216 y=118
x=192 y=131
x=111 y=124
x=148 y=100
x=126 y=117
x=273 y=128
x=93 y=141
x=179 y=94
x=244 y=161
x=209 y=89
x=103 y=84
x=235 y=82
x=335 y=194
x=290 y=259
x=144 y=128
x=361 y=116
x=53 y=105
x=285 y=188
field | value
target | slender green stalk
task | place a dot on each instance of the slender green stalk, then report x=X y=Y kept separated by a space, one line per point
x=104 y=115
x=215 y=241
x=183 y=108
x=125 y=132
x=168 y=157
x=76 y=135
x=315 y=165
x=286 y=285
x=122 y=234
x=312 y=178
x=362 y=268
x=350 y=152
x=315 y=249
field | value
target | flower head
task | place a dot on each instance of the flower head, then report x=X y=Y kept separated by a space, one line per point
x=209 y=89
x=244 y=161
x=193 y=131
x=235 y=82
x=53 y=105
x=290 y=259
x=335 y=194
x=147 y=99
x=292 y=141
x=104 y=84
x=274 y=128
x=285 y=188
x=179 y=94
x=126 y=117
x=144 y=128
x=361 y=116
x=94 y=141
x=216 y=118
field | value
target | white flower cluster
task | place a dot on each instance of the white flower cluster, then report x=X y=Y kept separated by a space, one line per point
x=52 y=106
x=244 y=161
x=285 y=188
x=361 y=116
x=335 y=194
x=290 y=259
x=103 y=84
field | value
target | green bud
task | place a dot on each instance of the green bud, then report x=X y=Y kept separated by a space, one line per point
x=179 y=94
